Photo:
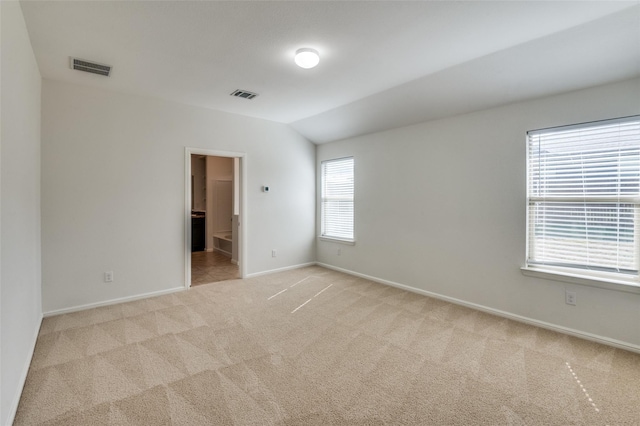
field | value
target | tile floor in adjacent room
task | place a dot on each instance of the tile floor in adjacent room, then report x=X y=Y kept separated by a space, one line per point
x=210 y=267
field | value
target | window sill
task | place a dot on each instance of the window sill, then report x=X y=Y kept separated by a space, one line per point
x=608 y=283
x=337 y=240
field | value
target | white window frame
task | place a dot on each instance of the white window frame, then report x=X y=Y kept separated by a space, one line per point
x=347 y=197
x=581 y=275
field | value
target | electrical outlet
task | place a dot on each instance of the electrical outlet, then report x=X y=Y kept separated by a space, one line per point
x=108 y=277
x=570 y=297
x=273 y=253
x=339 y=252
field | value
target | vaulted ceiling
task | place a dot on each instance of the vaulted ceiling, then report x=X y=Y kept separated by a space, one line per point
x=384 y=64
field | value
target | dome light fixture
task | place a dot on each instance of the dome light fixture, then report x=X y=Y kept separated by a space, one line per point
x=307 y=58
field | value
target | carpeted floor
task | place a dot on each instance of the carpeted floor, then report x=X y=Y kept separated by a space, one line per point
x=317 y=347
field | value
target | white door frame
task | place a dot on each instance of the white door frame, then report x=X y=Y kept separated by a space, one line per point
x=242 y=227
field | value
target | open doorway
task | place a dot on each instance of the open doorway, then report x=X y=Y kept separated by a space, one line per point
x=213 y=237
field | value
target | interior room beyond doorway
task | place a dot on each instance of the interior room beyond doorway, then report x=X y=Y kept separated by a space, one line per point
x=214 y=236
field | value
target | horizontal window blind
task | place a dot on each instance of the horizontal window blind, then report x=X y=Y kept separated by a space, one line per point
x=337 y=198
x=583 y=196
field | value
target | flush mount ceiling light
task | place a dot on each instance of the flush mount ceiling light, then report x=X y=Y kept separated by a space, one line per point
x=307 y=57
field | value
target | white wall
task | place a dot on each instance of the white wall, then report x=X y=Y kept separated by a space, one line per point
x=20 y=300
x=440 y=206
x=113 y=191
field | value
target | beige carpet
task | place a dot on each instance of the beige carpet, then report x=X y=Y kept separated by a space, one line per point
x=317 y=347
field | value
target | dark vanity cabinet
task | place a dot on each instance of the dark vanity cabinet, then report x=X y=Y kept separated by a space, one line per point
x=198 y=233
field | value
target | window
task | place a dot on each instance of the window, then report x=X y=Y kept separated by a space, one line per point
x=583 y=190
x=337 y=199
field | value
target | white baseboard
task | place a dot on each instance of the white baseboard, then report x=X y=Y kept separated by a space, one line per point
x=234 y=261
x=286 y=268
x=13 y=409
x=209 y=250
x=112 y=301
x=219 y=250
x=542 y=324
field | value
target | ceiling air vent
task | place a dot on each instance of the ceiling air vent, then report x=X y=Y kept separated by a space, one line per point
x=92 y=67
x=244 y=94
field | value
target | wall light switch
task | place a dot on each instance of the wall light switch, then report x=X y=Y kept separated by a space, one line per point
x=108 y=277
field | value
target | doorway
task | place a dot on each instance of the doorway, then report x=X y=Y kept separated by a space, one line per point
x=214 y=207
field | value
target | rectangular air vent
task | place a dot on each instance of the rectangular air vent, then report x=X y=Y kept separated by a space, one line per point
x=244 y=94
x=92 y=67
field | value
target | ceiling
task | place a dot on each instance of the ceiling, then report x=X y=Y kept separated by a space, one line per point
x=384 y=64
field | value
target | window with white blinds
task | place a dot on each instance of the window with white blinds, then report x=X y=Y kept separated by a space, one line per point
x=583 y=197
x=337 y=199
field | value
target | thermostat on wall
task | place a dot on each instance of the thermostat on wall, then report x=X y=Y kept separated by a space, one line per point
x=265 y=189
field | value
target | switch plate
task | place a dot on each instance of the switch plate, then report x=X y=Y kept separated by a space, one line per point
x=570 y=297
x=339 y=251
x=108 y=277
x=273 y=253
